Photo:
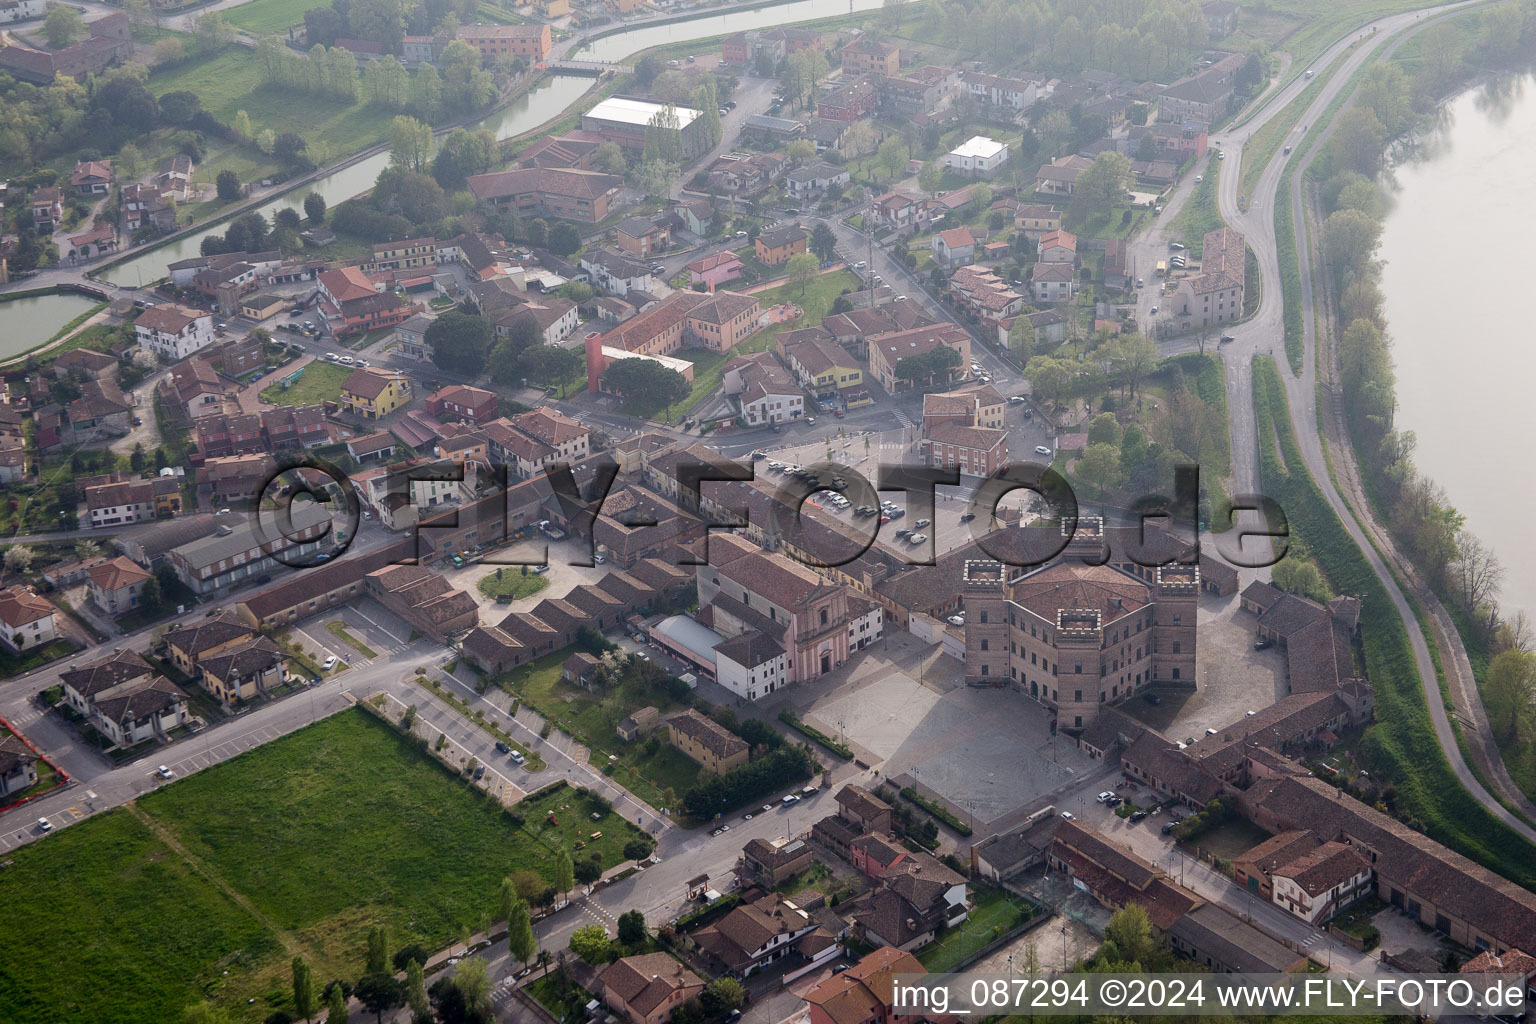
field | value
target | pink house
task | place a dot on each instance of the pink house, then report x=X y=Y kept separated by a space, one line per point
x=715 y=270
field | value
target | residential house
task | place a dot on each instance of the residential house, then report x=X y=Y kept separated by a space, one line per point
x=954 y=247
x=1059 y=177
x=849 y=100
x=87 y=361
x=695 y=215
x=716 y=749
x=27 y=620
x=775 y=246
x=122 y=699
x=814 y=179
x=886 y=350
x=1017 y=94
x=869 y=56
x=173 y=332
x=412 y=337
x=642 y=236
x=47 y=205
x=351 y=303
x=145 y=206
x=115 y=585
x=372 y=447
x=20 y=10
x=1036 y=221
x=977 y=157
x=109 y=43
x=819 y=363
x=1215 y=295
x=1057 y=247
x=763 y=390
x=755 y=934
x=751 y=665
x=866 y=992
x=615 y=272
x=373 y=392
x=1220 y=17
x=1203 y=96
x=1052 y=282
x=1318 y=884
x=772 y=862
x=18 y=760
x=715 y=270
x=92 y=177
x=567 y=193
x=133 y=501
x=411 y=254
x=459 y=401
x=100 y=412
x=646 y=989
x=500 y=41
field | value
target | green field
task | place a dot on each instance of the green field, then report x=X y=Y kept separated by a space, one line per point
x=995 y=913
x=1200 y=213
x=297 y=846
x=592 y=717
x=230 y=81
x=504 y=581
x=321 y=382
x=265 y=17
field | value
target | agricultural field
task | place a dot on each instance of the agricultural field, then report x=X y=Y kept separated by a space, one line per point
x=265 y=17
x=296 y=847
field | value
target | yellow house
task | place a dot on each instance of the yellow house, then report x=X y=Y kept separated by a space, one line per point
x=821 y=364
x=374 y=393
x=716 y=749
x=552 y=8
x=407 y=255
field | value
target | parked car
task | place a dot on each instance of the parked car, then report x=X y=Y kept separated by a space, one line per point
x=539 y=570
x=518 y=758
x=502 y=748
x=479 y=772
x=920 y=524
x=917 y=538
x=1168 y=827
x=1151 y=698
x=1041 y=449
x=329 y=663
x=165 y=773
x=967 y=517
x=44 y=825
x=1069 y=815
x=1107 y=797
x=1137 y=816
x=957 y=620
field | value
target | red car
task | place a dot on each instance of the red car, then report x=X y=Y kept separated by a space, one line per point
x=838 y=413
x=884 y=520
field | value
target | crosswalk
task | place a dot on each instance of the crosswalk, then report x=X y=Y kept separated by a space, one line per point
x=25 y=718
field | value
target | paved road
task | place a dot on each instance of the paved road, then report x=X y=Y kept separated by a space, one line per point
x=1265 y=333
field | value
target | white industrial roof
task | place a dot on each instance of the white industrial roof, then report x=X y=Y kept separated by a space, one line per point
x=678 y=365
x=691 y=635
x=638 y=112
x=979 y=147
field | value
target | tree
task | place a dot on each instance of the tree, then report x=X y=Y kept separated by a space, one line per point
x=590 y=942
x=380 y=993
x=723 y=995
x=136 y=458
x=474 y=986
x=930 y=177
x=564 y=239
x=460 y=342
x=632 y=928
x=610 y=159
x=646 y=385
x=1146 y=149
x=1100 y=465
x=427 y=91
x=405 y=954
x=550 y=364
x=824 y=241
x=588 y=871
x=1349 y=241
x=1103 y=184
x=212 y=31
x=928 y=366
x=802 y=269
x=314 y=208
x=410 y=143
x=18 y=558
x=565 y=877
x=62 y=26
x=306 y=995
x=180 y=108
x=378 y=951
x=336 y=1006
x=890 y=158
x=416 y=994
x=168 y=50
x=1053 y=131
x=1131 y=932
x=228 y=185
x=1510 y=693
x=520 y=939
x=647 y=68
x=1104 y=429
x=1357 y=141
x=290 y=150
x=1021 y=339
x=801 y=150
x=382 y=21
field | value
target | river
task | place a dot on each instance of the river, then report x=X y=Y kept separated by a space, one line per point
x=1456 y=240
x=549 y=96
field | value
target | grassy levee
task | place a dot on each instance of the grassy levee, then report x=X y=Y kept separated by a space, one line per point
x=1290 y=278
x=1402 y=736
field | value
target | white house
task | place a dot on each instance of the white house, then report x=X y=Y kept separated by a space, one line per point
x=21 y=10
x=764 y=390
x=751 y=665
x=115 y=585
x=1051 y=282
x=816 y=177
x=173 y=332
x=865 y=627
x=977 y=157
x=615 y=273
x=1316 y=885
x=26 y=620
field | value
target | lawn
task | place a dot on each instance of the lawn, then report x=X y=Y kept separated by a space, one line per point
x=320 y=382
x=592 y=718
x=519 y=585
x=562 y=997
x=264 y=17
x=996 y=912
x=573 y=824
x=297 y=846
x=708 y=371
x=1200 y=213
x=1231 y=838
x=230 y=81
x=16 y=664
x=339 y=630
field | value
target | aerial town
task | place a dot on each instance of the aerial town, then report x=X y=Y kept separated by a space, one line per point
x=654 y=512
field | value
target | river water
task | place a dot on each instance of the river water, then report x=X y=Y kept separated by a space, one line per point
x=550 y=95
x=29 y=322
x=1455 y=246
